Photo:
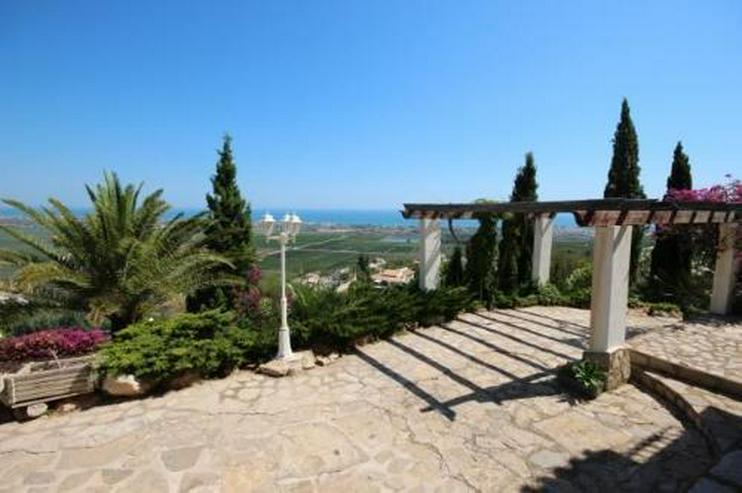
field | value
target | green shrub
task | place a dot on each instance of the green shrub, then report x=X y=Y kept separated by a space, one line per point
x=208 y=343
x=323 y=317
x=583 y=378
x=581 y=278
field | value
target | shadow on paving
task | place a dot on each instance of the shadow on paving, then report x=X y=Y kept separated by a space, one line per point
x=662 y=462
x=540 y=382
x=654 y=464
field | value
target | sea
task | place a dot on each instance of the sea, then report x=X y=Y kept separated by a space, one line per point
x=324 y=217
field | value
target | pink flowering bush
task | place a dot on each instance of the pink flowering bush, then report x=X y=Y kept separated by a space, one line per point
x=730 y=193
x=51 y=343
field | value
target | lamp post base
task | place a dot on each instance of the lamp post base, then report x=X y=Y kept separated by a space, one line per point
x=284 y=345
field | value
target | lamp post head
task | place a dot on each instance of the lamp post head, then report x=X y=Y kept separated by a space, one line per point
x=295 y=224
x=266 y=224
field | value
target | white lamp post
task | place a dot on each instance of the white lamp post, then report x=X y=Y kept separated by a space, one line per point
x=290 y=226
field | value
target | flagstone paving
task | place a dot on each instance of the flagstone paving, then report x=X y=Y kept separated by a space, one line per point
x=468 y=406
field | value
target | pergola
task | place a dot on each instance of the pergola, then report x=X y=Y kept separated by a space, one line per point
x=613 y=220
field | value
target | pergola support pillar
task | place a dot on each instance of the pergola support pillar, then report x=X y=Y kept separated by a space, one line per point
x=430 y=254
x=725 y=272
x=610 y=291
x=543 y=232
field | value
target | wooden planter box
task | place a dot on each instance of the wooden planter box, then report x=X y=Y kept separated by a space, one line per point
x=47 y=381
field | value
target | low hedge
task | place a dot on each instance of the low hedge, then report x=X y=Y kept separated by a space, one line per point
x=210 y=343
x=323 y=317
x=213 y=343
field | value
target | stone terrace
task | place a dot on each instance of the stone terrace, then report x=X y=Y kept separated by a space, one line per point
x=468 y=406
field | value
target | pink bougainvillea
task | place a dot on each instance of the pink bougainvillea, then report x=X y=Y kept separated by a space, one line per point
x=730 y=193
x=51 y=343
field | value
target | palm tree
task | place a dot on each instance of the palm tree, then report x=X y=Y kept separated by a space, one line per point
x=120 y=261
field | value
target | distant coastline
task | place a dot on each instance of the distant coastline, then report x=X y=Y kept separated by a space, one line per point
x=389 y=218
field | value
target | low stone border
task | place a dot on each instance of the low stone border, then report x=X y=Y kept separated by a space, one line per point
x=644 y=361
x=657 y=387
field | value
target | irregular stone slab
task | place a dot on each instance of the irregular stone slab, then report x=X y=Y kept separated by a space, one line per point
x=578 y=433
x=730 y=468
x=181 y=458
x=548 y=459
x=200 y=482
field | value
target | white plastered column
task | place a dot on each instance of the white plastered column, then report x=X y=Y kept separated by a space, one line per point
x=611 y=258
x=725 y=272
x=609 y=302
x=543 y=232
x=430 y=253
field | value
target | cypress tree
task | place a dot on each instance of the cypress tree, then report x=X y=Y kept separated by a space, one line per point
x=516 y=249
x=623 y=177
x=363 y=268
x=228 y=228
x=507 y=261
x=481 y=258
x=672 y=253
x=455 y=269
x=680 y=177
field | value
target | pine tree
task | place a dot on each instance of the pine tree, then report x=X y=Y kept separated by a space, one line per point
x=623 y=177
x=228 y=228
x=516 y=249
x=455 y=269
x=481 y=258
x=672 y=253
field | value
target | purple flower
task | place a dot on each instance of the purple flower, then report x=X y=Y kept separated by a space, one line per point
x=48 y=344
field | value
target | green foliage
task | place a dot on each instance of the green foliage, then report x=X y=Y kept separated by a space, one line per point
x=322 y=317
x=209 y=343
x=680 y=174
x=363 y=270
x=516 y=247
x=583 y=376
x=672 y=255
x=481 y=267
x=454 y=269
x=121 y=261
x=507 y=262
x=41 y=319
x=228 y=230
x=623 y=177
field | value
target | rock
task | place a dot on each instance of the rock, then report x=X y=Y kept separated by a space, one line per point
x=325 y=360
x=68 y=407
x=34 y=410
x=307 y=360
x=275 y=368
x=184 y=380
x=125 y=386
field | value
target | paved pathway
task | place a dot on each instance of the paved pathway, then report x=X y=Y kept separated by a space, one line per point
x=713 y=346
x=469 y=406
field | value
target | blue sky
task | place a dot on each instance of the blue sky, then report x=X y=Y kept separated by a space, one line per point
x=362 y=104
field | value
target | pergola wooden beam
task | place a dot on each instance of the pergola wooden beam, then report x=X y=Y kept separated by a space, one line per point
x=594 y=212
